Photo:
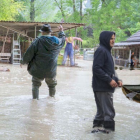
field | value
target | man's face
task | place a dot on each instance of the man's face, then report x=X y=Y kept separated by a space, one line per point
x=112 y=41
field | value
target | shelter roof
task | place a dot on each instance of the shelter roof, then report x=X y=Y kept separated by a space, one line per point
x=126 y=44
x=25 y=27
x=133 y=40
x=135 y=37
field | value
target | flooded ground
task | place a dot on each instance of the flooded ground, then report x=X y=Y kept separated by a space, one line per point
x=69 y=115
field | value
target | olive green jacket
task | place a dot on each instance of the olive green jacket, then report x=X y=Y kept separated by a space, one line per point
x=42 y=55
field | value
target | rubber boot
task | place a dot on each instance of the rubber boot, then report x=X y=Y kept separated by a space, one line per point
x=35 y=92
x=52 y=92
x=109 y=125
x=98 y=123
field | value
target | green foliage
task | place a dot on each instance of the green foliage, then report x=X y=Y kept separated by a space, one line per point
x=45 y=10
x=89 y=43
x=121 y=16
x=9 y=9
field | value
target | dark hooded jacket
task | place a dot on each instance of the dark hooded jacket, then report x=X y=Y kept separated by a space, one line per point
x=103 y=65
x=42 y=55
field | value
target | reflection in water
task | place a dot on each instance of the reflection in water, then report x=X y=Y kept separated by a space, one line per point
x=69 y=115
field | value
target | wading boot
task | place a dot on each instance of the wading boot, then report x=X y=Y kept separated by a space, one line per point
x=98 y=123
x=52 y=92
x=35 y=93
x=109 y=125
x=35 y=96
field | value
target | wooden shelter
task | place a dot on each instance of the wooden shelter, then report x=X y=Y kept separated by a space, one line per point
x=122 y=51
x=11 y=31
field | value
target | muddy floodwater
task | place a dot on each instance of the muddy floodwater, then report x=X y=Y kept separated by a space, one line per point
x=69 y=115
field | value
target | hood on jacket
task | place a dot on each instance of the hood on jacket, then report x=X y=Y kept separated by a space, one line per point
x=104 y=39
x=52 y=40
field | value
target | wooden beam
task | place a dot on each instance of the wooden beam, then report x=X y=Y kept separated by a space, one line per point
x=15 y=31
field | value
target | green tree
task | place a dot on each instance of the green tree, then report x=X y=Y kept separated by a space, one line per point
x=9 y=9
x=116 y=15
x=120 y=16
x=32 y=10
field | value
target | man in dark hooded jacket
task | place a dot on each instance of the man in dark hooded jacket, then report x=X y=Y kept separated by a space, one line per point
x=104 y=82
x=41 y=58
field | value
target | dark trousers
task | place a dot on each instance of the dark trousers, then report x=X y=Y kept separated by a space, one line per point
x=105 y=110
x=36 y=83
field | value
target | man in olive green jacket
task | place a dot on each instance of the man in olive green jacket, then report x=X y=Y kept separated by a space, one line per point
x=41 y=58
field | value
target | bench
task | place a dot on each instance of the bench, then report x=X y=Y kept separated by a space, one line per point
x=5 y=56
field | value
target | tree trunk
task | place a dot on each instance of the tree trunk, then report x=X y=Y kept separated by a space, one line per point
x=81 y=10
x=32 y=10
x=60 y=7
x=103 y=3
x=73 y=6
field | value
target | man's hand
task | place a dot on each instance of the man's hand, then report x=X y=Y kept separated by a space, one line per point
x=120 y=83
x=60 y=27
x=113 y=84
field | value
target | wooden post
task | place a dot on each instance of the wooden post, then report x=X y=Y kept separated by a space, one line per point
x=80 y=47
x=115 y=53
x=129 y=56
x=35 y=31
x=139 y=55
x=136 y=49
x=75 y=36
x=2 y=51
x=123 y=53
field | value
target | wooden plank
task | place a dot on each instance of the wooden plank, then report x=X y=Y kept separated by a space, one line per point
x=5 y=54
